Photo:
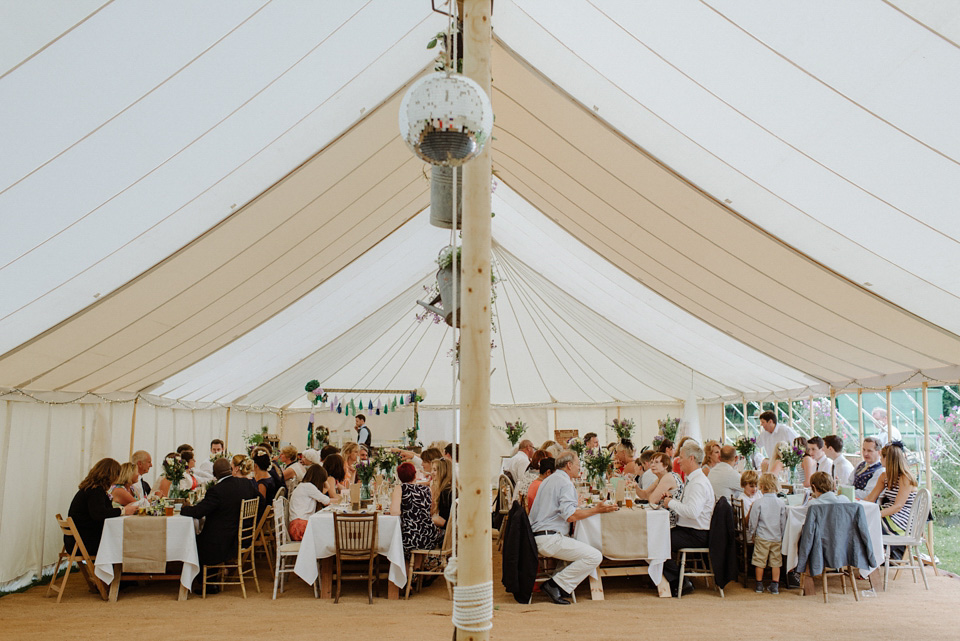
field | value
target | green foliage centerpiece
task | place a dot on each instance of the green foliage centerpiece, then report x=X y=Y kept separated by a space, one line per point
x=623 y=428
x=746 y=446
x=597 y=463
x=790 y=456
x=515 y=431
x=366 y=470
x=174 y=469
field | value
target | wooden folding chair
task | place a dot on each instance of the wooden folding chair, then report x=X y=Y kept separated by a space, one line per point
x=245 y=539
x=77 y=555
x=355 y=538
x=440 y=556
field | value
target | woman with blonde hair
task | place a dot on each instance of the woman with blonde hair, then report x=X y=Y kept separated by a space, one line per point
x=896 y=489
x=442 y=490
x=91 y=505
x=121 y=491
x=350 y=454
x=711 y=451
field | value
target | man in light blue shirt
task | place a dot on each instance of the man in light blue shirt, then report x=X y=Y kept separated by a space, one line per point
x=554 y=509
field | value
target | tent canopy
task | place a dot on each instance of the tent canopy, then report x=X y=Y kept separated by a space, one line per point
x=213 y=202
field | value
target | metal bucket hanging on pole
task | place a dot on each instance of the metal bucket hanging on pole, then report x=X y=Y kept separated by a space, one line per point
x=441 y=197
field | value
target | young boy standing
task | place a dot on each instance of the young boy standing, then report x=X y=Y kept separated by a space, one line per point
x=768 y=517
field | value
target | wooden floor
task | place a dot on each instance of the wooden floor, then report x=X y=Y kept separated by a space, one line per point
x=630 y=610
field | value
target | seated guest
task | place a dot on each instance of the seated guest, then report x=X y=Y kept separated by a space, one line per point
x=724 y=478
x=590 y=442
x=183 y=448
x=204 y=471
x=91 y=505
x=188 y=482
x=336 y=469
x=517 y=464
x=547 y=467
x=866 y=475
x=648 y=478
x=144 y=462
x=822 y=487
x=815 y=451
x=529 y=475
x=694 y=511
x=266 y=486
x=896 y=489
x=669 y=483
x=768 y=518
x=275 y=472
x=711 y=452
x=666 y=446
x=623 y=459
x=554 y=509
x=306 y=498
x=749 y=481
x=242 y=467
x=808 y=464
x=442 y=491
x=676 y=459
x=217 y=542
x=842 y=468
x=451 y=452
x=438 y=445
x=327 y=450
x=121 y=492
x=427 y=458
x=552 y=448
x=350 y=454
x=412 y=502
x=293 y=470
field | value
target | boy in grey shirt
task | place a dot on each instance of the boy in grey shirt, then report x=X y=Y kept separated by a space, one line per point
x=768 y=518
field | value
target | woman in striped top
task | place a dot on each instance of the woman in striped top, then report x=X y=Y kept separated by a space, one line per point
x=896 y=490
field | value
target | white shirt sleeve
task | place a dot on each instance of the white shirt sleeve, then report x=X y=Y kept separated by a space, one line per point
x=695 y=497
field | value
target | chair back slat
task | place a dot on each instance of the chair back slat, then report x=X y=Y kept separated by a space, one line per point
x=918 y=515
x=355 y=535
x=248 y=525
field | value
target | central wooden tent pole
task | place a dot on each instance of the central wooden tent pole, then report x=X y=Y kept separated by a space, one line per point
x=133 y=425
x=474 y=547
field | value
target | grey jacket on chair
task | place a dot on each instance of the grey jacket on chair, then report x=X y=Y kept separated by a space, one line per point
x=835 y=535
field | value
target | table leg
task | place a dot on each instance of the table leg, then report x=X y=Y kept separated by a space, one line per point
x=809 y=587
x=182 y=596
x=115 y=584
x=393 y=592
x=876 y=581
x=326 y=578
x=596 y=588
x=663 y=589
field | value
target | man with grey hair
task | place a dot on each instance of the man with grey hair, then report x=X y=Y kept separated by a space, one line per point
x=143 y=461
x=519 y=462
x=554 y=509
x=694 y=511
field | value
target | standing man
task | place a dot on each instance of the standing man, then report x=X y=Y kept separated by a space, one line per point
x=144 y=462
x=771 y=434
x=842 y=468
x=723 y=477
x=519 y=462
x=554 y=509
x=694 y=511
x=363 y=432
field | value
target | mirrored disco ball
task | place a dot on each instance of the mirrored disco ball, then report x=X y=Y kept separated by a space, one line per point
x=446 y=120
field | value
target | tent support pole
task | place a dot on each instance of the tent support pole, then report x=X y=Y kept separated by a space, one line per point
x=790 y=412
x=133 y=425
x=226 y=436
x=928 y=472
x=813 y=432
x=833 y=411
x=474 y=550
x=889 y=416
x=860 y=414
x=746 y=423
x=723 y=423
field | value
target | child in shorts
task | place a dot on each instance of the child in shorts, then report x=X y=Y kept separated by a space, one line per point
x=768 y=518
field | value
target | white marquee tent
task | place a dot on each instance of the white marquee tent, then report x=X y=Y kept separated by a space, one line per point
x=206 y=205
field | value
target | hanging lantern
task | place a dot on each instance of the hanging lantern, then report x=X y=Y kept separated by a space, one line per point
x=446 y=119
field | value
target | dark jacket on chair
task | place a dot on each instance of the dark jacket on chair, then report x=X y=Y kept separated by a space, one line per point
x=89 y=509
x=519 y=555
x=723 y=543
x=217 y=542
x=834 y=535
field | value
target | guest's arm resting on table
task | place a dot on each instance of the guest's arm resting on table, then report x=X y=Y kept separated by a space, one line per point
x=395 y=500
x=878 y=487
x=587 y=512
x=694 y=498
x=209 y=503
x=664 y=486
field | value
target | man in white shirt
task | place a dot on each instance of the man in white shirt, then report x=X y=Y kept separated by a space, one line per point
x=815 y=451
x=519 y=462
x=144 y=462
x=771 y=434
x=694 y=511
x=866 y=475
x=204 y=471
x=723 y=477
x=553 y=510
x=842 y=468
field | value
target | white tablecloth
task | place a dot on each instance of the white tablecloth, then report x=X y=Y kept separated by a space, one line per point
x=797 y=515
x=181 y=546
x=588 y=531
x=318 y=543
